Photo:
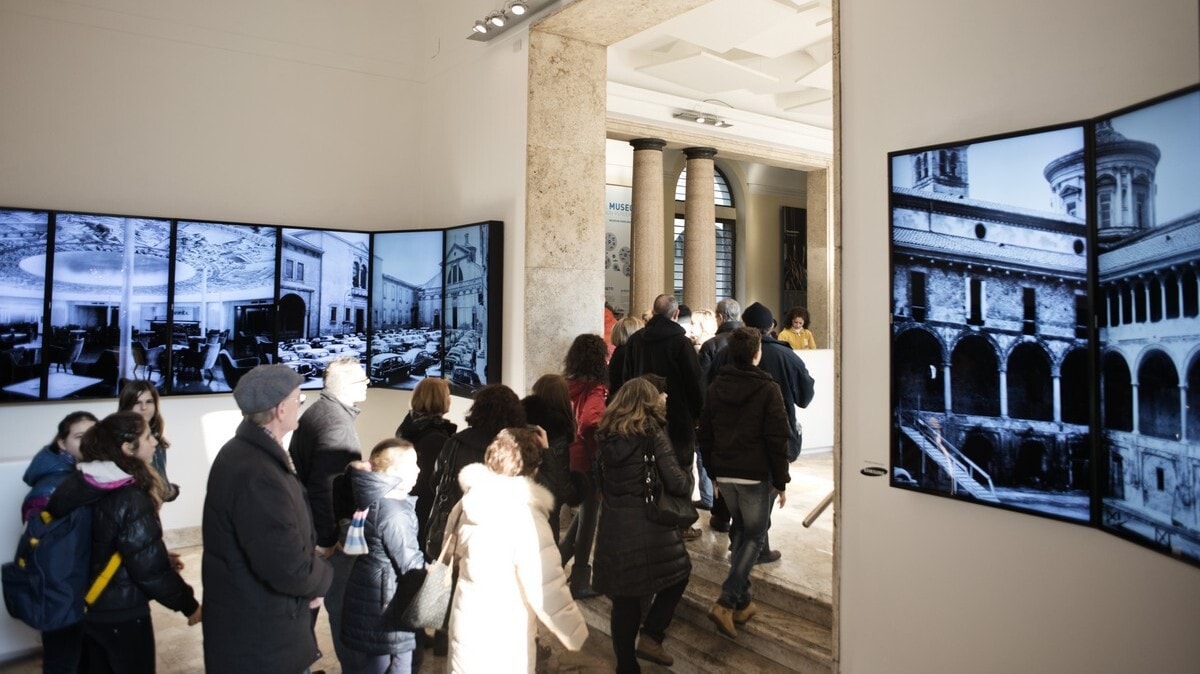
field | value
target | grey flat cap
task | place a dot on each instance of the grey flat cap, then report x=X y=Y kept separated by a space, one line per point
x=265 y=387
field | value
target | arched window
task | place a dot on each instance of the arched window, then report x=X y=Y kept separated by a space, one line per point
x=725 y=235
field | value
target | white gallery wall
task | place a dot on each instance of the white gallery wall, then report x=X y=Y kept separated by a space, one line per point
x=929 y=584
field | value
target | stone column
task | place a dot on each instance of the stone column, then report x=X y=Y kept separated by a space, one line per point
x=1137 y=421
x=1003 y=393
x=1183 y=412
x=700 y=231
x=1056 y=382
x=647 y=238
x=947 y=396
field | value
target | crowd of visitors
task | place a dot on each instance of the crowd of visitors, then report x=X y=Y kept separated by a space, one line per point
x=287 y=529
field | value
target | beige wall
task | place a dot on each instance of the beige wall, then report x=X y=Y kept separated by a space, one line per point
x=929 y=584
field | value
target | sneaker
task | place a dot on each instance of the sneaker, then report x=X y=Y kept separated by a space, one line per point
x=743 y=615
x=719 y=525
x=649 y=649
x=722 y=617
x=768 y=556
x=689 y=534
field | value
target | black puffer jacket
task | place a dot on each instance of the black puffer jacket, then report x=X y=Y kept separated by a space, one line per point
x=428 y=435
x=368 y=626
x=634 y=556
x=560 y=433
x=124 y=520
x=744 y=430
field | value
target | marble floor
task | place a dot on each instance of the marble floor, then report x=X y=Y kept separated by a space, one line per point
x=807 y=564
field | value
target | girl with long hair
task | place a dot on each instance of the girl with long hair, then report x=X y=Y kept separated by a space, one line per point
x=125 y=492
x=139 y=395
x=586 y=370
x=636 y=559
x=426 y=427
x=548 y=405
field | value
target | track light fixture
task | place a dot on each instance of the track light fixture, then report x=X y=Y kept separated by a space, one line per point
x=500 y=20
x=698 y=118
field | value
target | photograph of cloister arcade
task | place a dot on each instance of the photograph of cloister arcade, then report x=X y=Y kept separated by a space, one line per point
x=1148 y=224
x=991 y=380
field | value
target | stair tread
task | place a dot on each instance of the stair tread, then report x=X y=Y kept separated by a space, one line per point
x=783 y=596
x=696 y=648
x=773 y=624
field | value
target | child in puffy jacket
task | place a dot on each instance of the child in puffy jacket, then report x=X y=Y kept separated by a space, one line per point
x=369 y=618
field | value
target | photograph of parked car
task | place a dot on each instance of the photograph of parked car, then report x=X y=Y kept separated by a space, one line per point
x=406 y=308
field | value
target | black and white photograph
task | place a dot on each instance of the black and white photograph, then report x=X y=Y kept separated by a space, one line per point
x=467 y=282
x=1148 y=310
x=24 y=237
x=223 y=308
x=990 y=364
x=406 y=308
x=324 y=277
x=108 y=304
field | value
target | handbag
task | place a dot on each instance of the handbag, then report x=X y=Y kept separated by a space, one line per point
x=356 y=541
x=430 y=603
x=444 y=498
x=663 y=507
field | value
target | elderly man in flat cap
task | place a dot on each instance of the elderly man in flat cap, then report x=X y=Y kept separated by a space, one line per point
x=261 y=571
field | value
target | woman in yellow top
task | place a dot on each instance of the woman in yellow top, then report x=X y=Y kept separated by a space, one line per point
x=797 y=334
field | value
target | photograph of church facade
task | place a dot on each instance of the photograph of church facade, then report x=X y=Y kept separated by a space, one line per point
x=466 y=282
x=990 y=365
x=1148 y=220
x=323 y=281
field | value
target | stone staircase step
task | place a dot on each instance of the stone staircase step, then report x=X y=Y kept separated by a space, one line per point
x=778 y=635
x=782 y=596
x=696 y=649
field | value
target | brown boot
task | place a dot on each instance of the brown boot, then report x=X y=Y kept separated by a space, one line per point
x=743 y=615
x=649 y=649
x=722 y=617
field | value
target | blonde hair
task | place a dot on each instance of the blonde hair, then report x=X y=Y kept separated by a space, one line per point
x=622 y=329
x=636 y=409
x=515 y=451
x=387 y=453
x=704 y=325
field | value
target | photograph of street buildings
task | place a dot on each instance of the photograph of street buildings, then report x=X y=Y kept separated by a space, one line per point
x=1148 y=312
x=406 y=308
x=323 y=282
x=467 y=296
x=990 y=366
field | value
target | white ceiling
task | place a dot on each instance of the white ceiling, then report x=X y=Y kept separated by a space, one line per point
x=765 y=66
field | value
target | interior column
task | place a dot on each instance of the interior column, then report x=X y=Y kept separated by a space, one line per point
x=646 y=235
x=700 y=231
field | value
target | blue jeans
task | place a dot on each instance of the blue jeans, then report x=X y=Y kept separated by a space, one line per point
x=750 y=507
x=706 y=485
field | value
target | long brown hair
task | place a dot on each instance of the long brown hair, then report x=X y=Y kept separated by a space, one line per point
x=587 y=359
x=103 y=441
x=636 y=409
x=128 y=398
x=552 y=389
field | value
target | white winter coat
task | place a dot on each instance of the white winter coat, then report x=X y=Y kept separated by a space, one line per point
x=510 y=576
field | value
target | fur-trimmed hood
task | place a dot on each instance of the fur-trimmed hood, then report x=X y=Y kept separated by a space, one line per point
x=487 y=495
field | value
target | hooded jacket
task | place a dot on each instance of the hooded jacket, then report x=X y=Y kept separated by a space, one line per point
x=509 y=576
x=125 y=520
x=662 y=348
x=47 y=469
x=587 y=400
x=744 y=429
x=634 y=556
x=368 y=617
x=261 y=567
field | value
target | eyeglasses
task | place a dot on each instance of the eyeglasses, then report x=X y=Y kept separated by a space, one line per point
x=300 y=400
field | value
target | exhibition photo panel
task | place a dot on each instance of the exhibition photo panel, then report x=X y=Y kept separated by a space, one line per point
x=406 y=308
x=223 y=309
x=108 y=304
x=990 y=340
x=24 y=239
x=470 y=276
x=324 y=277
x=1148 y=316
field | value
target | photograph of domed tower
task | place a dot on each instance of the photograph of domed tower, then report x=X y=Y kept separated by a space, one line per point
x=991 y=376
x=1147 y=200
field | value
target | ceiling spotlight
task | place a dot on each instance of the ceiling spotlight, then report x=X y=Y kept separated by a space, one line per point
x=698 y=118
x=496 y=19
x=517 y=7
x=480 y=27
